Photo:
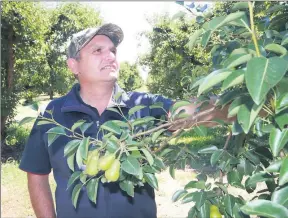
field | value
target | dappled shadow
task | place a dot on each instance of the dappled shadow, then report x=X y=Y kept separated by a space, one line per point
x=9 y=153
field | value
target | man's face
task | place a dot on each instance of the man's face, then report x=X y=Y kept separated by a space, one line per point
x=98 y=61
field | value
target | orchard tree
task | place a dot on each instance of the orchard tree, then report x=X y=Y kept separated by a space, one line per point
x=23 y=25
x=129 y=77
x=169 y=56
x=66 y=20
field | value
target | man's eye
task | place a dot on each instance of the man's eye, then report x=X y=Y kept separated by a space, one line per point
x=114 y=51
x=97 y=50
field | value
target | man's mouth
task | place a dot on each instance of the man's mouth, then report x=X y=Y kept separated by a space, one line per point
x=110 y=67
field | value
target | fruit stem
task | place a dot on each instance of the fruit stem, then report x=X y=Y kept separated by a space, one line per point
x=253 y=29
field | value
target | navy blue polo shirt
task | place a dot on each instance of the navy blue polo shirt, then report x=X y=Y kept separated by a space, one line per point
x=112 y=202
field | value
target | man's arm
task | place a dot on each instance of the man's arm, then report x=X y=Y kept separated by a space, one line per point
x=205 y=116
x=40 y=195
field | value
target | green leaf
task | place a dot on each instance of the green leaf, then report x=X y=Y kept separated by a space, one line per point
x=277 y=140
x=284 y=40
x=79 y=158
x=112 y=145
x=205 y=38
x=236 y=60
x=111 y=127
x=247 y=115
x=274 y=167
x=26 y=120
x=282 y=119
x=34 y=106
x=159 y=163
x=245 y=167
x=83 y=177
x=128 y=187
x=172 y=171
x=193 y=38
x=148 y=156
x=58 y=130
x=117 y=95
x=239 y=6
x=135 y=109
x=213 y=79
x=71 y=146
x=44 y=122
x=193 y=212
x=227 y=97
x=92 y=189
x=200 y=130
x=223 y=20
x=114 y=110
x=280 y=196
x=77 y=124
x=197 y=197
x=205 y=210
x=229 y=204
x=283 y=178
x=208 y=150
x=282 y=103
x=237 y=213
x=178 y=195
x=75 y=194
x=85 y=126
x=156 y=105
x=143 y=120
x=121 y=123
x=179 y=104
x=75 y=176
x=196 y=83
x=273 y=47
x=236 y=104
x=217 y=155
x=151 y=180
x=234 y=178
x=234 y=79
x=155 y=135
x=83 y=147
x=251 y=182
x=195 y=184
x=265 y=208
x=131 y=166
x=70 y=161
x=252 y=157
x=262 y=74
x=52 y=138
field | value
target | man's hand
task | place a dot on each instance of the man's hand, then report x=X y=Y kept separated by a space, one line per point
x=40 y=195
x=205 y=116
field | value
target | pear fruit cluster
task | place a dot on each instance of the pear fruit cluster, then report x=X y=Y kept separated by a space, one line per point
x=107 y=163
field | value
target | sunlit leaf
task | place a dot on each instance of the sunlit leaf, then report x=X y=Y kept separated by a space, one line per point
x=75 y=194
x=265 y=208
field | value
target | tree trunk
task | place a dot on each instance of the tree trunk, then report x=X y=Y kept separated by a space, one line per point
x=10 y=73
x=51 y=94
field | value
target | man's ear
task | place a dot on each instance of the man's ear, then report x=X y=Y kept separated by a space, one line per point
x=73 y=65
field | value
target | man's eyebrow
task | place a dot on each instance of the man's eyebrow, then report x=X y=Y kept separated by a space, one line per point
x=100 y=46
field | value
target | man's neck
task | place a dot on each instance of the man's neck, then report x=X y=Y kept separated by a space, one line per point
x=97 y=95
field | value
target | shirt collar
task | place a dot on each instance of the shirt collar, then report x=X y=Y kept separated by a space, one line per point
x=74 y=102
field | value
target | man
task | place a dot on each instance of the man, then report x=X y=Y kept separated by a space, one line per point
x=92 y=57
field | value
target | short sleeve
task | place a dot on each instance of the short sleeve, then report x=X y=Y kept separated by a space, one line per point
x=35 y=157
x=158 y=112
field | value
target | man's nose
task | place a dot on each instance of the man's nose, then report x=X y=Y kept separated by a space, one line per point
x=110 y=55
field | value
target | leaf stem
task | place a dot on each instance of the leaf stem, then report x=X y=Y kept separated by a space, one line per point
x=253 y=28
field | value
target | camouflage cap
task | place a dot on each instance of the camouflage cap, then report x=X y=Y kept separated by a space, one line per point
x=82 y=38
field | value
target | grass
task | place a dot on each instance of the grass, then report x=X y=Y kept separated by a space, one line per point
x=15 y=200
